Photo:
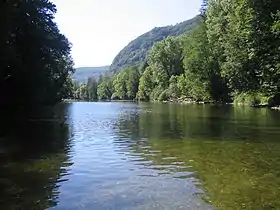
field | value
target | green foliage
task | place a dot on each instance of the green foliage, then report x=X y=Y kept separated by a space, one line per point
x=230 y=53
x=146 y=85
x=135 y=52
x=182 y=85
x=202 y=71
x=156 y=92
x=252 y=99
x=126 y=84
x=276 y=25
x=266 y=45
x=92 y=89
x=35 y=57
x=234 y=32
x=105 y=88
x=197 y=64
x=243 y=36
x=165 y=62
x=83 y=92
x=132 y=83
x=165 y=59
x=122 y=86
x=173 y=89
x=119 y=84
x=164 y=96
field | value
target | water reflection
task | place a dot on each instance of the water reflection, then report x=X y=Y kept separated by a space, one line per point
x=142 y=156
x=34 y=157
x=232 y=154
x=167 y=179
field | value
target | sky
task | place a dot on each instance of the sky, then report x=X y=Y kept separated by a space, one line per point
x=99 y=29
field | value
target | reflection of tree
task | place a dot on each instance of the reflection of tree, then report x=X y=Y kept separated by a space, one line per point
x=34 y=158
x=186 y=122
x=235 y=152
x=257 y=124
x=129 y=131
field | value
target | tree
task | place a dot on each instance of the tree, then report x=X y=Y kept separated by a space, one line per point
x=166 y=60
x=266 y=44
x=105 y=88
x=92 y=88
x=203 y=8
x=202 y=71
x=83 y=92
x=119 y=84
x=243 y=36
x=132 y=83
x=173 y=90
x=146 y=85
x=68 y=90
x=236 y=39
x=36 y=62
x=276 y=24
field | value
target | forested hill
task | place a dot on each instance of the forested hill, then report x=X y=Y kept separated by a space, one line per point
x=231 y=55
x=135 y=52
x=82 y=74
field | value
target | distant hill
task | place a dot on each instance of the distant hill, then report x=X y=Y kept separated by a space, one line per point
x=135 y=52
x=83 y=73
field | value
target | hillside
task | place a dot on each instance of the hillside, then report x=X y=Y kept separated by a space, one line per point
x=135 y=52
x=83 y=73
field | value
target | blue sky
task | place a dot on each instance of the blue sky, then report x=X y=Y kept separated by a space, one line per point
x=99 y=29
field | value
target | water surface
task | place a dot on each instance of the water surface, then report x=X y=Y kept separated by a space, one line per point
x=142 y=156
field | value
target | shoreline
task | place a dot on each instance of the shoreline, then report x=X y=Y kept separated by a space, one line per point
x=184 y=102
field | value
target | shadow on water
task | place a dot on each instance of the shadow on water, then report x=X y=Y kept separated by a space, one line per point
x=232 y=153
x=34 y=157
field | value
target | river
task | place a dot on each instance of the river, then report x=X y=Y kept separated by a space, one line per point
x=142 y=156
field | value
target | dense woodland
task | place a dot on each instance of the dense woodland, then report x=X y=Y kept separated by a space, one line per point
x=35 y=63
x=231 y=55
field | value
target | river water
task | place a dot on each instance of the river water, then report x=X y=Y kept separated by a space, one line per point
x=142 y=156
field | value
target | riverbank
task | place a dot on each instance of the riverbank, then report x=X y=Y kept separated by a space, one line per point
x=186 y=100
x=183 y=100
x=107 y=100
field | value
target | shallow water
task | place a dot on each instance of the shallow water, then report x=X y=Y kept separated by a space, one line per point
x=143 y=156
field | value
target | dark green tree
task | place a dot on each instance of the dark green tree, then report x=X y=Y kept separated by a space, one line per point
x=35 y=57
x=202 y=70
x=165 y=59
x=132 y=82
x=243 y=36
x=146 y=85
x=105 y=88
x=119 y=84
x=92 y=89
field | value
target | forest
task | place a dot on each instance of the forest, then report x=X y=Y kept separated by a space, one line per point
x=232 y=55
x=35 y=65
